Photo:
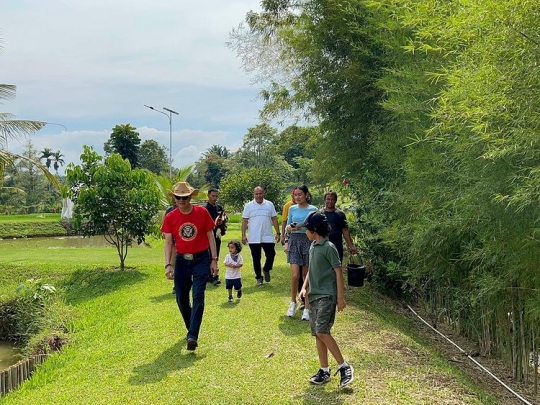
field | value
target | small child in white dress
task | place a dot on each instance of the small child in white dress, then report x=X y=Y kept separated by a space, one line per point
x=233 y=262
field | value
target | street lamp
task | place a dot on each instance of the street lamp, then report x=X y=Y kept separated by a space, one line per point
x=169 y=116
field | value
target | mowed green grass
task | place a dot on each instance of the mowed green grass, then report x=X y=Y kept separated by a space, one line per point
x=127 y=341
x=44 y=217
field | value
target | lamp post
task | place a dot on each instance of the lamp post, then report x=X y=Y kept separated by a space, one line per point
x=169 y=116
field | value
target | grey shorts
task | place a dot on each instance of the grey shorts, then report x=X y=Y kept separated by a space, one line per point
x=322 y=314
x=298 y=249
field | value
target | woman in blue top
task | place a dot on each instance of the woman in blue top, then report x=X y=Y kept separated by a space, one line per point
x=298 y=244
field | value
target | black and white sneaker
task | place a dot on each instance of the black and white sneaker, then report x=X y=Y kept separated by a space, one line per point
x=322 y=377
x=347 y=375
x=239 y=294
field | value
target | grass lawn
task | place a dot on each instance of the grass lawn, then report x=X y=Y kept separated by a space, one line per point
x=127 y=342
x=43 y=217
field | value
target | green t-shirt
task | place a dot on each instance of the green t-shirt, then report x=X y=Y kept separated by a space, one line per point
x=323 y=258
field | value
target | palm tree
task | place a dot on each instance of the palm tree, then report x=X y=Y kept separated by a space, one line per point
x=11 y=128
x=218 y=151
x=46 y=154
x=58 y=161
x=165 y=183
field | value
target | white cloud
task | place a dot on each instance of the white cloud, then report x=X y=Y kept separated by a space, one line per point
x=90 y=65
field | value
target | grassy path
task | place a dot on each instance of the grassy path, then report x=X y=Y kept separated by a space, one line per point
x=128 y=347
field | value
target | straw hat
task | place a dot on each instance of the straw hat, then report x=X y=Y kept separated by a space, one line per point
x=183 y=189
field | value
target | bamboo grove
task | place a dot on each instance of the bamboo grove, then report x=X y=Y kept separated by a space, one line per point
x=431 y=110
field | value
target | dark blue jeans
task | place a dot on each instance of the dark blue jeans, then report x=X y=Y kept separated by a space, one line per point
x=188 y=274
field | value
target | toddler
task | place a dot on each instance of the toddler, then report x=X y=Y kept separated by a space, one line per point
x=233 y=262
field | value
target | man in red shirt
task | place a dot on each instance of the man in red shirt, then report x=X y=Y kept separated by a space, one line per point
x=191 y=227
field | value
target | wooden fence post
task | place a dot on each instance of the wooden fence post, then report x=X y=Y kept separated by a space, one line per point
x=13 y=376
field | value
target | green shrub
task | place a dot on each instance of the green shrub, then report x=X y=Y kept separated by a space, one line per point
x=21 y=318
x=35 y=318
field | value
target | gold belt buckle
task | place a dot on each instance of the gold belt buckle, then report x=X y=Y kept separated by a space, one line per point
x=188 y=256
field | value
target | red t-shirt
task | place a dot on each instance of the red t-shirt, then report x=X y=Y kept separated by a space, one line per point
x=189 y=230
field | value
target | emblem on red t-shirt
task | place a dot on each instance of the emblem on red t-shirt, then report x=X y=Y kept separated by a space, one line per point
x=187 y=231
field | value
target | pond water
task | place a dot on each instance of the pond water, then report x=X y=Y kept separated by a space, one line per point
x=9 y=355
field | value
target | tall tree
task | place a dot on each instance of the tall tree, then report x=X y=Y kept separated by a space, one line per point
x=255 y=151
x=30 y=179
x=153 y=157
x=46 y=155
x=57 y=158
x=212 y=166
x=125 y=141
x=217 y=151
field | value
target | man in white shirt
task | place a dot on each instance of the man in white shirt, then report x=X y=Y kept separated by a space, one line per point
x=259 y=216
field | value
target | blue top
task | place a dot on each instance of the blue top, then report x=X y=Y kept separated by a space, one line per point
x=299 y=215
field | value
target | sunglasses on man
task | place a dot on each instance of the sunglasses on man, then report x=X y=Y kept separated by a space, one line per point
x=182 y=197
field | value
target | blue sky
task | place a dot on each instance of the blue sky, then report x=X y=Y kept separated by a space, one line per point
x=90 y=65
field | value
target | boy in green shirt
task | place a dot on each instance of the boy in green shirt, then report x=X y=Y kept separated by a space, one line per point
x=326 y=290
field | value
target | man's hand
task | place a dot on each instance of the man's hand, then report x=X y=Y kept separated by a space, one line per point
x=214 y=268
x=244 y=240
x=169 y=273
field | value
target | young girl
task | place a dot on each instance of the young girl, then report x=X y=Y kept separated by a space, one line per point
x=298 y=245
x=233 y=262
x=326 y=292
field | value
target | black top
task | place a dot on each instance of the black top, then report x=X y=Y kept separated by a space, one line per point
x=337 y=221
x=215 y=211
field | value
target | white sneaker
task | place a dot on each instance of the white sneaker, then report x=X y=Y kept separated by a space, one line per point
x=305 y=315
x=292 y=308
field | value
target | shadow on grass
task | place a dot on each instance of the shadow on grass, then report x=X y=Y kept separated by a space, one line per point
x=368 y=299
x=168 y=296
x=293 y=326
x=174 y=358
x=319 y=395
x=230 y=305
x=87 y=284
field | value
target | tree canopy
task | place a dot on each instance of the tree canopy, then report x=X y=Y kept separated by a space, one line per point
x=125 y=141
x=237 y=187
x=113 y=200
x=153 y=157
